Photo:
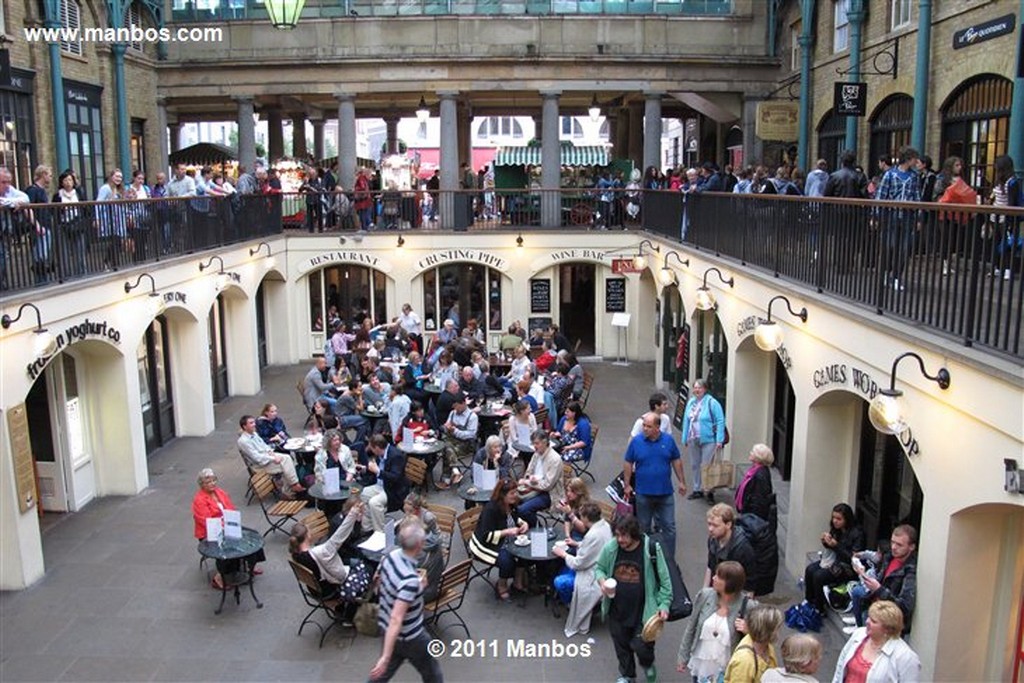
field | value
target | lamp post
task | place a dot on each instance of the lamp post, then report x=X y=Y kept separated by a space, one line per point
x=285 y=14
x=888 y=414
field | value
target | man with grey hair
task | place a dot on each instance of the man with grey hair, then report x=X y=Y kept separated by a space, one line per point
x=401 y=609
x=11 y=200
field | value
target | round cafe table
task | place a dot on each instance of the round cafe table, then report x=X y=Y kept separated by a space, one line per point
x=374 y=416
x=235 y=549
x=490 y=419
x=546 y=566
x=426 y=450
x=329 y=502
x=477 y=497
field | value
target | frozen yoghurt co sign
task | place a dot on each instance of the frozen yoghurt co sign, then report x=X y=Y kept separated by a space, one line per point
x=451 y=255
x=988 y=30
x=80 y=332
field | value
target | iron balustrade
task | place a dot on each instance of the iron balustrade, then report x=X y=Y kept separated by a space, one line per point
x=43 y=244
x=953 y=268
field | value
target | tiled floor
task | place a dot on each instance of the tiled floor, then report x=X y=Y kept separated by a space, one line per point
x=123 y=598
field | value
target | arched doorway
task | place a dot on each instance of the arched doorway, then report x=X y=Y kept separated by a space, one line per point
x=831 y=138
x=976 y=126
x=734 y=147
x=153 y=357
x=347 y=292
x=890 y=125
x=271 y=303
x=675 y=333
x=462 y=291
x=218 y=349
x=711 y=353
x=783 y=416
x=577 y=304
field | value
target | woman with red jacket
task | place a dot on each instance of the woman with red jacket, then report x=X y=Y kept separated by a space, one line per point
x=210 y=502
x=364 y=200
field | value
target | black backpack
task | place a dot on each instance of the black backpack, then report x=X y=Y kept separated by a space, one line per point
x=680 y=607
x=766 y=553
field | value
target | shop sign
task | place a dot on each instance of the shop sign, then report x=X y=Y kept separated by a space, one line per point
x=777 y=121
x=621 y=266
x=841 y=375
x=987 y=30
x=579 y=255
x=850 y=99
x=452 y=255
x=359 y=257
x=175 y=298
x=80 y=332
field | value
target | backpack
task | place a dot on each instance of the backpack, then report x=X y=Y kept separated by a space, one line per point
x=766 y=553
x=680 y=607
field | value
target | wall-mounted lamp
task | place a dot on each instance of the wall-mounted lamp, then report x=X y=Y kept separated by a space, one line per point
x=640 y=261
x=422 y=111
x=156 y=302
x=705 y=299
x=204 y=266
x=667 y=275
x=255 y=250
x=887 y=412
x=519 y=241
x=401 y=242
x=223 y=278
x=44 y=344
x=768 y=335
x=595 y=109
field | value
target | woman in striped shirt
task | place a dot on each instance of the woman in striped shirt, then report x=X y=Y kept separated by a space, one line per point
x=498 y=521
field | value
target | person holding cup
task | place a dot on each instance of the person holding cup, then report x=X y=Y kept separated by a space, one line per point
x=499 y=520
x=579 y=580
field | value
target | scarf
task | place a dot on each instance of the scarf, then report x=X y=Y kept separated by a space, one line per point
x=743 y=485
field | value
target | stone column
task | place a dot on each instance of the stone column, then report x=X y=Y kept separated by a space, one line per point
x=449 y=161
x=246 y=133
x=652 y=130
x=174 y=132
x=275 y=134
x=318 y=138
x=753 y=148
x=299 y=150
x=465 y=117
x=346 y=140
x=550 y=162
x=635 y=150
x=391 y=123
x=161 y=126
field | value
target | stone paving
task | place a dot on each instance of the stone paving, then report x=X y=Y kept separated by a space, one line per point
x=124 y=599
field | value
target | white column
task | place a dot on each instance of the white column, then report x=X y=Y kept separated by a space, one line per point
x=550 y=162
x=190 y=374
x=652 y=130
x=242 y=355
x=246 y=133
x=752 y=146
x=346 y=140
x=449 y=154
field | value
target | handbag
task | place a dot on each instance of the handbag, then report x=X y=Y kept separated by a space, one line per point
x=717 y=473
x=681 y=606
x=803 y=617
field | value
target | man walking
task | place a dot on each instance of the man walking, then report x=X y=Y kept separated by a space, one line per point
x=901 y=183
x=653 y=455
x=401 y=609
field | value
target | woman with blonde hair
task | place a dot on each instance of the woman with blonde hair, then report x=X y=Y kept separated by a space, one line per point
x=801 y=655
x=876 y=652
x=755 y=654
x=754 y=494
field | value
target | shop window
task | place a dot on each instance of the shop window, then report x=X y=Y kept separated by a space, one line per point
x=71 y=22
x=900 y=14
x=138 y=145
x=347 y=293
x=841 y=34
x=976 y=126
x=17 y=131
x=316 y=302
x=890 y=126
x=461 y=291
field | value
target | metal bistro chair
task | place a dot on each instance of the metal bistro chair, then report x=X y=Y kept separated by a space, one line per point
x=581 y=468
x=467 y=525
x=445 y=526
x=277 y=512
x=450 y=596
x=310 y=589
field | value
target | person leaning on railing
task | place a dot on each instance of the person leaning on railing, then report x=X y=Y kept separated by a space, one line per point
x=111 y=220
x=72 y=223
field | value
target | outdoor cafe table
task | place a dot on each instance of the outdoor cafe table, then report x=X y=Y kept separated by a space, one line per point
x=374 y=416
x=427 y=451
x=547 y=565
x=490 y=419
x=235 y=549
x=329 y=502
x=477 y=497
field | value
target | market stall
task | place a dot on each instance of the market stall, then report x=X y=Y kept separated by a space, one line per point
x=218 y=157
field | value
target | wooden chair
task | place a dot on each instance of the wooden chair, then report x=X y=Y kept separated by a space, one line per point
x=536 y=352
x=310 y=589
x=416 y=472
x=277 y=512
x=588 y=383
x=467 y=525
x=317 y=526
x=541 y=416
x=302 y=397
x=581 y=467
x=450 y=596
x=445 y=525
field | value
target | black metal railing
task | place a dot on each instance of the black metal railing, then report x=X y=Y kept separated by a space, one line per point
x=953 y=268
x=43 y=244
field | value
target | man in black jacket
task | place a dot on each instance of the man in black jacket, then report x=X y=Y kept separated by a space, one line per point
x=387 y=464
x=847 y=181
x=726 y=541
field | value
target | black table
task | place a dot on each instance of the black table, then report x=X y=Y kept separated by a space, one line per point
x=374 y=416
x=490 y=420
x=329 y=502
x=235 y=549
x=479 y=497
x=426 y=451
x=545 y=567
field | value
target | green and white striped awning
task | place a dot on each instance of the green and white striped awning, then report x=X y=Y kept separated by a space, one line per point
x=586 y=155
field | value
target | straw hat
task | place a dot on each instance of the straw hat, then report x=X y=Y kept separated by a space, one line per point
x=653 y=628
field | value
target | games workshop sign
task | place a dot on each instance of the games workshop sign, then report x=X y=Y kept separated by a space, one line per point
x=987 y=30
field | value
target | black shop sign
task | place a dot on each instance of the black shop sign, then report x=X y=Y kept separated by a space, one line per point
x=979 y=33
x=615 y=295
x=540 y=296
x=850 y=99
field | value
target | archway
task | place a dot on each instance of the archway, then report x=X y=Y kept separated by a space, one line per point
x=831 y=138
x=890 y=125
x=710 y=356
x=976 y=126
x=271 y=302
x=346 y=292
x=675 y=335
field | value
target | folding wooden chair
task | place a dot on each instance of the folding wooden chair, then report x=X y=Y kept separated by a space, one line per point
x=445 y=525
x=581 y=467
x=588 y=384
x=416 y=472
x=467 y=525
x=450 y=596
x=277 y=512
x=541 y=416
x=310 y=589
x=317 y=526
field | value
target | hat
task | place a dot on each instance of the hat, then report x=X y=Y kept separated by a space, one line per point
x=635 y=175
x=653 y=628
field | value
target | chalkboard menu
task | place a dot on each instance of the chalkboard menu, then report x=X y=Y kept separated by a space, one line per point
x=540 y=296
x=615 y=295
x=680 y=414
x=539 y=323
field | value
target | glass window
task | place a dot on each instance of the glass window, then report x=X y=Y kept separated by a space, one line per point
x=794 y=46
x=900 y=14
x=17 y=135
x=71 y=19
x=841 y=38
x=348 y=293
x=430 y=298
x=138 y=146
x=462 y=291
x=494 y=322
x=316 y=302
x=133 y=17
x=421 y=131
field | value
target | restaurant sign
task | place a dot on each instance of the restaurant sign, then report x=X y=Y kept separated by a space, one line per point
x=439 y=258
x=839 y=374
x=776 y=121
x=80 y=332
x=987 y=30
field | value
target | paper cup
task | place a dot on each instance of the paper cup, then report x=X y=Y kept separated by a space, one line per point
x=609 y=587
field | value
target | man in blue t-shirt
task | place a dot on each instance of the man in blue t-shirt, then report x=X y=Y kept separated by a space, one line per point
x=652 y=455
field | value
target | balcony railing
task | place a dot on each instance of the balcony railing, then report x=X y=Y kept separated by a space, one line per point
x=954 y=269
x=43 y=244
x=220 y=10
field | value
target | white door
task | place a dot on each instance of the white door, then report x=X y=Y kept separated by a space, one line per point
x=70 y=437
x=40 y=404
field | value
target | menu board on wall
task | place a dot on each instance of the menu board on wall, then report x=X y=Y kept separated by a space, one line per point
x=21 y=451
x=537 y=324
x=540 y=296
x=615 y=295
